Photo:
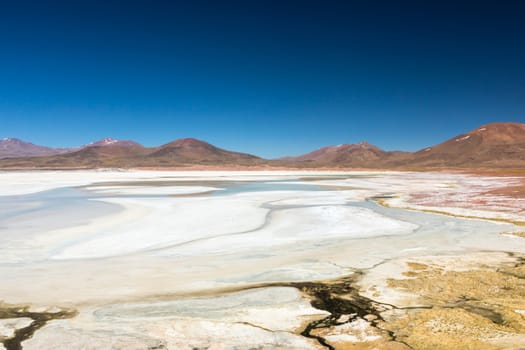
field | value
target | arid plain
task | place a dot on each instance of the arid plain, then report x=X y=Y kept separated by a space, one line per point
x=261 y=260
x=262 y=175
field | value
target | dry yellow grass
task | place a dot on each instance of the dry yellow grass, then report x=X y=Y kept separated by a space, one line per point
x=475 y=309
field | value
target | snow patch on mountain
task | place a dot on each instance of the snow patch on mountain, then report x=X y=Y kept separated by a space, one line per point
x=463 y=138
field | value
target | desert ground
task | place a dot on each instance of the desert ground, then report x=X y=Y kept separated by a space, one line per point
x=143 y=259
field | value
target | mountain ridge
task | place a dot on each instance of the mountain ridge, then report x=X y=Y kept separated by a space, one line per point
x=490 y=145
x=12 y=147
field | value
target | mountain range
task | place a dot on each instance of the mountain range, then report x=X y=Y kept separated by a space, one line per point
x=497 y=145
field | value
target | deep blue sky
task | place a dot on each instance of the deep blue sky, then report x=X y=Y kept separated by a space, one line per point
x=267 y=77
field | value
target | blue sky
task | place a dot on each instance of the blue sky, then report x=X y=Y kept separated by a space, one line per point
x=271 y=78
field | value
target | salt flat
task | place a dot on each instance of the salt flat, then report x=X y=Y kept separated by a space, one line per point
x=223 y=259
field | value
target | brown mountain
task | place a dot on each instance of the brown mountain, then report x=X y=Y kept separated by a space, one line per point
x=193 y=151
x=497 y=144
x=109 y=153
x=360 y=154
x=500 y=145
x=117 y=154
x=13 y=148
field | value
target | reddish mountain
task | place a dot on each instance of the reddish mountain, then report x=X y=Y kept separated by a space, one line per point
x=497 y=144
x=106 y=153
x=500 y=145
x=360 y=154
x=109 y=153
x=13 y=148
x=103 y=153
x=193 y=151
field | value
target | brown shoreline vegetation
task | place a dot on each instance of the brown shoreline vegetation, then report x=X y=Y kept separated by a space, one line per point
x=462 y=307
x=481 y=308
x=516 y=233
x=384 y=202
